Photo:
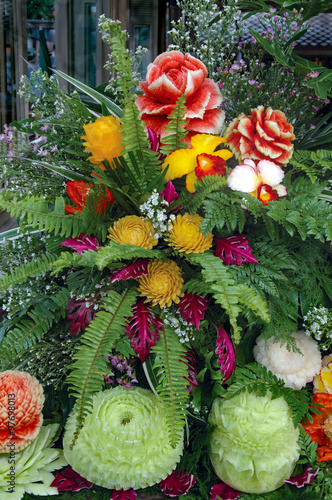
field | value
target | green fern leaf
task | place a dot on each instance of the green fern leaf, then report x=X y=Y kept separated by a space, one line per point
x=86 y=376
x=170 y=372
x=209 y=183
x=21 y=274
x=37 y=213
x=115 y=252
x=174 y=132
x=254 y=301
x=30 y=329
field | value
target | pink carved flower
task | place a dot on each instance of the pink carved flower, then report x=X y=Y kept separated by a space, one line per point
x=263 y=135
x=178 y=483
x=262 y=180
x=224 y=492
x=171 y=75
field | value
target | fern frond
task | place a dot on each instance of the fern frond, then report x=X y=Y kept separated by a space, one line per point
x=254 y=301
x=174 y=132
x=115 y=252
x=225 y=290
x=86 y=376
x=170 y=372
x=21 y=274
x=209 y=183
x=30 y=329
x=37 y=213
x=223 y=209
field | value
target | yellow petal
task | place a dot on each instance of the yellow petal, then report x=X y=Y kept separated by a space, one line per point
x=180 y=162
x=326 y=376
x=205 y=143
x=191 y=180
x=327 y=359
x=225 y=154
x=318 y=384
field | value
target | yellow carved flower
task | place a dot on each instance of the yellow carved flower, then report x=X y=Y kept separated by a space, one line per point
x=103 y=140
x=133 y=230
x=185 y=235
x=162 y=284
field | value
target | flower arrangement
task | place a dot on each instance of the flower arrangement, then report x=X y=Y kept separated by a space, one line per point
x=166 y=298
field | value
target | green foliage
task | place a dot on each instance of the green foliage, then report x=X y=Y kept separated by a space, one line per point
x=226 y=292
x=20 y=275
x=222 y=209
x=309 y=8
x=170 y=372
x=30 y=329
x=99 y=338
x=37 y=213
x=308 y=448
x=174 y=131
x=315 y=164
x=115 y=252
x=207 y=185
x=256 y=378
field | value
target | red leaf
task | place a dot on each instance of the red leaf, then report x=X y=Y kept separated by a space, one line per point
x=191 y=360
x=178 y=483
x=192 y=307
x=79 y=315
x=124 y=495
x=134 y=270
x=224 y=492
x=142 y=329
x=81 y=243
x=226 y=354
x=303 y=479
x=234 y=250
x=70 y=480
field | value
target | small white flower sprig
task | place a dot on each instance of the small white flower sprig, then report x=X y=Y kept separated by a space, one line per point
x=182 y=328
x=154 y=210
x=318 y=323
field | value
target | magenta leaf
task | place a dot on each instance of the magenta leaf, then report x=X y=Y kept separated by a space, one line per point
x=124 y=495
x=134 y=270
x=154 y=140
x=143 y=329
x=169 y=194
x=303 y=479
x=224 y=492
x=70 y=480
x=80 y=314
x=192 y=307
x=191 y=360
x=226 y=354
x=234 y=250
x=177 y=483
x=81 y=243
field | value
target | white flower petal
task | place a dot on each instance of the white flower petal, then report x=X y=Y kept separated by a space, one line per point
x=243 y=178
x=270 y=173
x=281 y=190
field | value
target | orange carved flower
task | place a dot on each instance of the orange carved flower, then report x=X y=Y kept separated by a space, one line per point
x=162 y=285
x=103 y=140
x=21 y=404
x=320 y=430
x=171 y=75
x=265 y=135
x=78 y=192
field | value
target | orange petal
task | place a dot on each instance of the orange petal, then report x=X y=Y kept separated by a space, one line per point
x=77 y=192
x=209 y=165
x=324 y=453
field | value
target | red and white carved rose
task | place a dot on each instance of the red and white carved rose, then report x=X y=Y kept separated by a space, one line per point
x=171 y=75
x=265 y=135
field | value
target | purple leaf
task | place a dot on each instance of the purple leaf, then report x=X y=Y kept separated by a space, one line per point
x=134 y=271
x=79 y=315
x=81 y=243
x=142 y=329
x=226 y=354
x=303 y=479
x=192 y=307
x=191 y=360
x=70 y=480
x=234 y=250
